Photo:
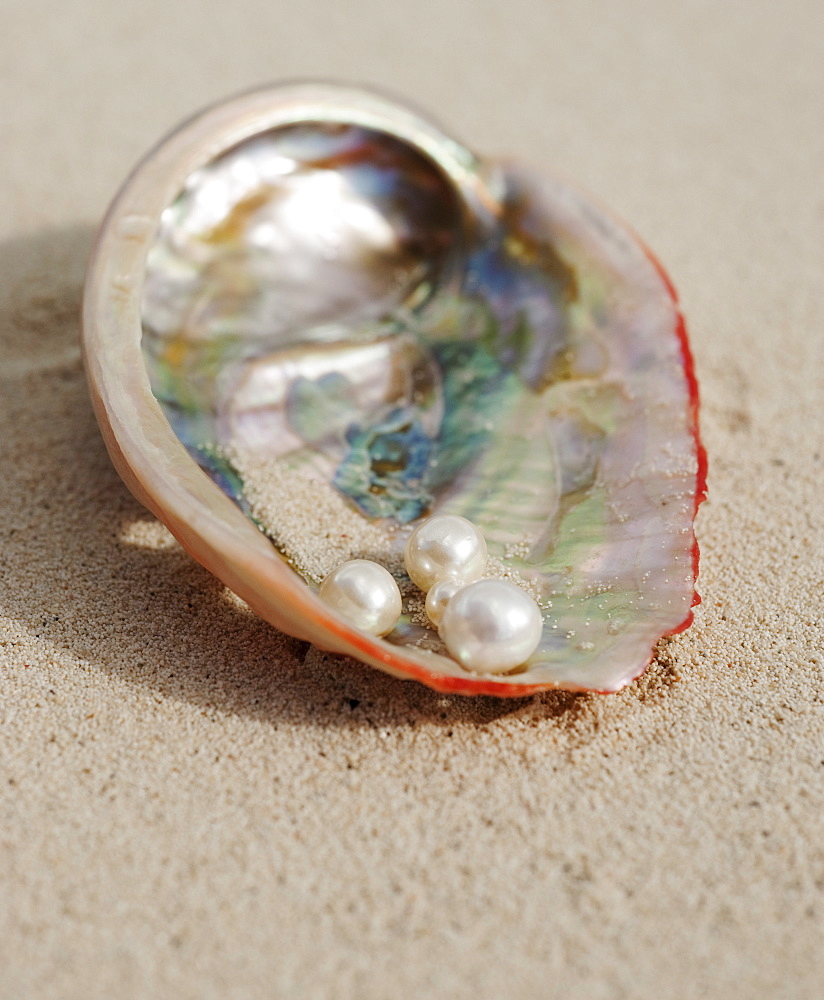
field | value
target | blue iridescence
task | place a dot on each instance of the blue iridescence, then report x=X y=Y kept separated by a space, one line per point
x=385 y=468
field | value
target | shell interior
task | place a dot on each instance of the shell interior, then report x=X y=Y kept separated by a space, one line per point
x=344 y=344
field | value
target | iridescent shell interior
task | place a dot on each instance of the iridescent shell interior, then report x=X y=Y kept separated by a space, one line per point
x=329 y=315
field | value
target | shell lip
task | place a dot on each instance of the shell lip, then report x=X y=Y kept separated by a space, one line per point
x=701 y=457
x=148 y=454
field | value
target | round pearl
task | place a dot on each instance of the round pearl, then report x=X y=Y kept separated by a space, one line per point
x=365 y=594
x=440 y=594
x=491 y=626
x=444 y=546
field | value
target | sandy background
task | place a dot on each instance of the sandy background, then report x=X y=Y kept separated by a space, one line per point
x=194 y=806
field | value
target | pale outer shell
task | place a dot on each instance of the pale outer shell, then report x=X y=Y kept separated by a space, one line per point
x=147 y=454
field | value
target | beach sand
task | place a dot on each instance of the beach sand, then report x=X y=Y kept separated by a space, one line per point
x=193 y=805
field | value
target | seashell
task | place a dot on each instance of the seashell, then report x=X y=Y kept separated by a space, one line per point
x=312 y=318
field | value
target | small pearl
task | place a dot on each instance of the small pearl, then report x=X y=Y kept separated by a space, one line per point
x=444 y=546
x=440 y=594
x=365 y=594
x=491 y=626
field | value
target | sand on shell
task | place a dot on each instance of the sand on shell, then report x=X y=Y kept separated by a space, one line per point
x=316 y=528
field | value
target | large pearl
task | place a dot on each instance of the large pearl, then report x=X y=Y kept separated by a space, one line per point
x=365 y=594
x=491 y=626
x=444 y=546
x=440 y=594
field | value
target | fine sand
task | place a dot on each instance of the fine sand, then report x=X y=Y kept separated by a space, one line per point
x=196 y=807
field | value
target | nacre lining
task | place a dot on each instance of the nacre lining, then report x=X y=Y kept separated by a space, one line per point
x=427 y=333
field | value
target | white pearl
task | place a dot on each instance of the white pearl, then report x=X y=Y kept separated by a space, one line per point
x=444 y=546
x=365 y=594
x=440 y=594
x=491 y=626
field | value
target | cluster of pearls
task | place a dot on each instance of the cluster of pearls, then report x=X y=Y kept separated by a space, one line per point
x=489 y=626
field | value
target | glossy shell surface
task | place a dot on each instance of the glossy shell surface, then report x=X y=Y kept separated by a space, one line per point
x=314 y=280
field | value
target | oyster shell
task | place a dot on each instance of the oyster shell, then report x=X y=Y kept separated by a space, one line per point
x=313 y=291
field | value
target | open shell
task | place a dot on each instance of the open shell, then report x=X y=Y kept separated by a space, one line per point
x=311 y=284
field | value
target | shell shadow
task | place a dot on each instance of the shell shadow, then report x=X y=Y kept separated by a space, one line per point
x=90 y=573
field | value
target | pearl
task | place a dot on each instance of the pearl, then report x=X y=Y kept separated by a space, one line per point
x=440 y=594
x=444 y=546
x=365 y=594
x=491 y=626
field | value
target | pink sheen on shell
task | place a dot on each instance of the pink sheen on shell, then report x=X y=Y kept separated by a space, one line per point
x=651 y=473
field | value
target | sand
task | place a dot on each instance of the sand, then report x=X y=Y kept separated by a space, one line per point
x=309 y=520
x=195 y=806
